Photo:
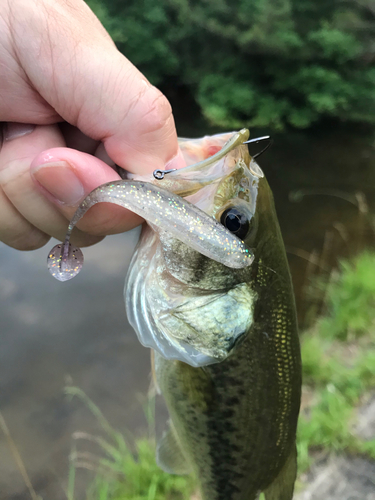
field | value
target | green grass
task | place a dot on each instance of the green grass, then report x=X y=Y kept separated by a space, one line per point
x=350 y=299
x=338 y=359
x=124 y=472
x=337 y=387
x=136 y=476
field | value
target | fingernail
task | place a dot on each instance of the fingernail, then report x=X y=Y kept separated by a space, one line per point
x=60 y=181
x=14 y=130
x=176 y=162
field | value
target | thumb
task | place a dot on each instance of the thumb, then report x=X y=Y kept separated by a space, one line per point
x=76 y=68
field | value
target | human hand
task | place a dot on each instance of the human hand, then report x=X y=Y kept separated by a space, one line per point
x=59 y=65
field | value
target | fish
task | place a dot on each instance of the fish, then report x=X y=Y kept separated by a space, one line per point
x=209 y=291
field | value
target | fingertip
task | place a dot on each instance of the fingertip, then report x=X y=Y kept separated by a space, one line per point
x=60 y=182
x=89 y=170
x=66 y=177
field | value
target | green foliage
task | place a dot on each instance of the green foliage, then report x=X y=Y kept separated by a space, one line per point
x=328 y=423
x=337 y=385
x=123 y=473
x=138 y=478
x=319 y=365
x=256 y=62
x=336 y=372
x=351 y=299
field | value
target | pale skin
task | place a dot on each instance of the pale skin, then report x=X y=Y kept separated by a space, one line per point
x=58 y=65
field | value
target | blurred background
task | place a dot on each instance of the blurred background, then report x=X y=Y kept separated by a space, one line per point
x=302 y=71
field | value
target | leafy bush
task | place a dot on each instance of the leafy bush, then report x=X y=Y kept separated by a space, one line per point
x=257 y=62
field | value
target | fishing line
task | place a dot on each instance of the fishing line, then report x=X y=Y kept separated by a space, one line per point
x=257 y=140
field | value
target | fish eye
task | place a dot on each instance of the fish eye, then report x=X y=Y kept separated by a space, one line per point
x=237 y=222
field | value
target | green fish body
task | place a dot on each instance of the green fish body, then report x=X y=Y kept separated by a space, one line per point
x=233 y=422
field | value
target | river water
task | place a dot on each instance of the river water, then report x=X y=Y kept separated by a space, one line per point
x=53 y=334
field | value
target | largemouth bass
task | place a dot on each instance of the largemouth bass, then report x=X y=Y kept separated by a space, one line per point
x=209 y=291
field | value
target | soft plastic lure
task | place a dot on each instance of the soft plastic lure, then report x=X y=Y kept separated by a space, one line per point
x=162 y=205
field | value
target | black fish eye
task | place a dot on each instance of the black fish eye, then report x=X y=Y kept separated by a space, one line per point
x=237 y=222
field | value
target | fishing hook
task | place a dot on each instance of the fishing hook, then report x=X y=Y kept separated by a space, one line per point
x=257 y=140
x=159 y=174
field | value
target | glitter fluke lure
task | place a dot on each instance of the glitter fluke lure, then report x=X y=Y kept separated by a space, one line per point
x=162 y=206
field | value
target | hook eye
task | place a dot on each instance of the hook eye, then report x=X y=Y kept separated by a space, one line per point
x=257 y=140
x=159 y=174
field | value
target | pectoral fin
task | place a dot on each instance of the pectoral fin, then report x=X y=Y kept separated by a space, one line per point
x=283 y=486
x=169 y=455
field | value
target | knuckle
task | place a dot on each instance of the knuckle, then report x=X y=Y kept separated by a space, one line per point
x=32 y=240
x=158 y=112
x=16 y=231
